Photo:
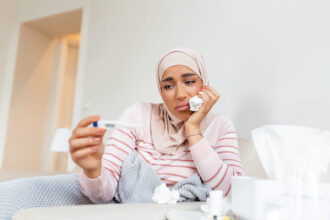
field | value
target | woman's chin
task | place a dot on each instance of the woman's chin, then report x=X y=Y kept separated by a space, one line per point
x=183 y=116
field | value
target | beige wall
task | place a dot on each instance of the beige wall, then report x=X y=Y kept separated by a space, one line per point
x=7 y=13
x=29 y=101
x=24 y=11
x=61 y=97
x=21 y=12
x=68 y=84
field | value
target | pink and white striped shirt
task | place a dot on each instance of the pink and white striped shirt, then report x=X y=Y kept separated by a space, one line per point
x=215 y=157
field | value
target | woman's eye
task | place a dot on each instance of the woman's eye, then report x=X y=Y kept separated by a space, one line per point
x=190 y=82
x=168 y=86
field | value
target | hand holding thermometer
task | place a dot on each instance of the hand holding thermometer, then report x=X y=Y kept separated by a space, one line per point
x=114 y=124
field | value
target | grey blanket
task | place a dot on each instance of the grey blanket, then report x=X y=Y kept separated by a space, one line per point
x=136 y=185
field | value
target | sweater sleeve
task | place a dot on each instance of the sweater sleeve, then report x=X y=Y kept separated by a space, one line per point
x=120 y=143
x=218 y=164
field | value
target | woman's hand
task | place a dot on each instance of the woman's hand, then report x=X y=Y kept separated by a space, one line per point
x=210 y=97
x=86 y=146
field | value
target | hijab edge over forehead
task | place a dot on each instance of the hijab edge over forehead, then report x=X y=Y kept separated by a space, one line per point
x=176 y=58
x=189 y=58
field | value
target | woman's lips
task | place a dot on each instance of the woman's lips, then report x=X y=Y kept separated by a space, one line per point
x=182 y=107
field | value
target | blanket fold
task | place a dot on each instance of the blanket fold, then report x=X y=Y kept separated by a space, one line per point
x=136 y=185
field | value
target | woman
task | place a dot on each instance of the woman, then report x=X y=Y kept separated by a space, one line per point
x=175 y=141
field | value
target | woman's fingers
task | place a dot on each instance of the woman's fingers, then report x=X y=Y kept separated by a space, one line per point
x=209 y=96
x=86 y=146
x=84 y=137
x=206 y=102
x=89 y=131
x=88 y=120
x=83 y=152
x=209 y=93
x=203 y=96
x=212 y=90
x=213 y=95
x=79 y=143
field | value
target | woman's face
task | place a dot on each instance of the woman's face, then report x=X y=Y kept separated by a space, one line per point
x=178 y=85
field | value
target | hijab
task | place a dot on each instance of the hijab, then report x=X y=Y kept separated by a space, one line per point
x=167 y=131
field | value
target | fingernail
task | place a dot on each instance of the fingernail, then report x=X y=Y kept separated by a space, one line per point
x=94 y=148
x=97 y=139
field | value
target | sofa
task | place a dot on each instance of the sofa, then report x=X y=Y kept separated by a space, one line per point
x=249 y=158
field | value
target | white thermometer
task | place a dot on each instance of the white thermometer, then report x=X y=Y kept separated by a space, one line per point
x=114 y=124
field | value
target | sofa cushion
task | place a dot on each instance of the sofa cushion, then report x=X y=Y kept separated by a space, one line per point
x=250 y=160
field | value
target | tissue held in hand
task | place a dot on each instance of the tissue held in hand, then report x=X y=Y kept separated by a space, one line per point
x=164 y=195
x=195 y=103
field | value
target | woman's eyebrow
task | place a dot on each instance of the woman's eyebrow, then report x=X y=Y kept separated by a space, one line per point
x=188 y=74
x=167 y=79
x=183 y=75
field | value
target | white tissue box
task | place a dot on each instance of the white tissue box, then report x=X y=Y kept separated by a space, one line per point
x=250 y=197
x=257 y=199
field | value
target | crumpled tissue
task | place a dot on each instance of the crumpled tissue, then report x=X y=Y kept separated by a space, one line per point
x=195 y=103
x=163 y=195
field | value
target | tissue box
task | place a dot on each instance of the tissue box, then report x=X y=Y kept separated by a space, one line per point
x=251 y=197
x=263 y=199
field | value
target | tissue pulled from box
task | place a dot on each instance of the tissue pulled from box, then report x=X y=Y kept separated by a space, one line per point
x=288 y=152
x=164 y=195
x=195 y=103
x=296 y=160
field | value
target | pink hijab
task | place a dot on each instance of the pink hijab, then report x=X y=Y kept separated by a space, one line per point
x=167 y=131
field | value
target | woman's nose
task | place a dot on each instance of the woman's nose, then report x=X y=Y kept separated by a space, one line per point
x=180 y=93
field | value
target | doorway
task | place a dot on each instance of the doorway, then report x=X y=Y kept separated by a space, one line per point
x=43 y=91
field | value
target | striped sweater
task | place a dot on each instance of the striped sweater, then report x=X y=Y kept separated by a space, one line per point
x=215 y=157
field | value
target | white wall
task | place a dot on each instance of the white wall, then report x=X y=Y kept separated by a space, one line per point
x=268 y=59
x=126 y=39
x=274 y=57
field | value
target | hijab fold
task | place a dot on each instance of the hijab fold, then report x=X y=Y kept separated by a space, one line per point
x=167 y=131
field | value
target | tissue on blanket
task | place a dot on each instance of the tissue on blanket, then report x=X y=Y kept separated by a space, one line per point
x=137 y=184
x=195 y=103
x=164 y=195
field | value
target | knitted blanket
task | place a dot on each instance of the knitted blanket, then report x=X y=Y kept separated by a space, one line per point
x=136 y=185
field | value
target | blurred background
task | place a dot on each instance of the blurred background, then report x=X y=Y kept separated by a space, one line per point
x=66 y=59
